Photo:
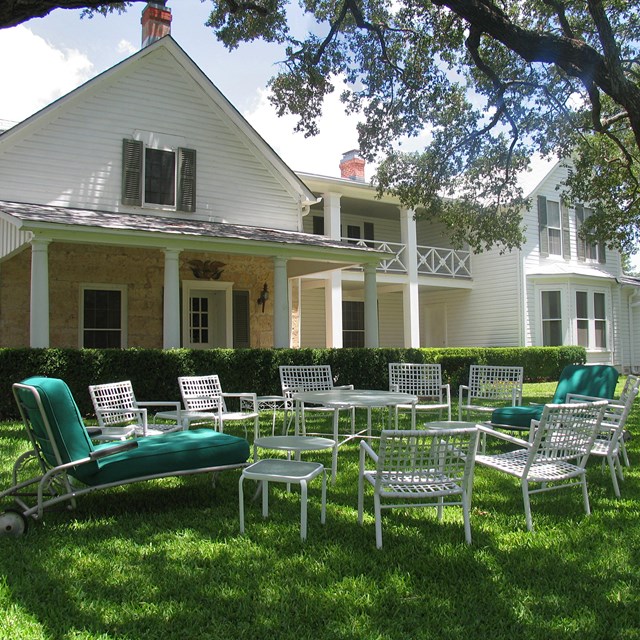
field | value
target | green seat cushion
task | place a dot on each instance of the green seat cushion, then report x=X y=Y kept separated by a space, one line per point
x=597 y=380
x=516 y=417
x=69 y=433
x=167 y=454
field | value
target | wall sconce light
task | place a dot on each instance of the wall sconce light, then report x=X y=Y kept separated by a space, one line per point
x=264 y=296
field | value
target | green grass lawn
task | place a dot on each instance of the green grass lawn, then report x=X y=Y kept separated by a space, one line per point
x=164 y=560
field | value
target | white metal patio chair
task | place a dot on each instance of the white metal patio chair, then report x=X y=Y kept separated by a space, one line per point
x=300 y=378
x=420 y=468
x=555 y=455
x=609 y=442
x=424 y=381
x=121 y=416
x=490 y=387
x=204 y=402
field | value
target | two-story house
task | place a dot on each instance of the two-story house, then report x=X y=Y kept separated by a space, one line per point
x=557 y=289
x=141 y=209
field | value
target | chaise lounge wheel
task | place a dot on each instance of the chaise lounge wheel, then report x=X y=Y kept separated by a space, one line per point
x=12 y=523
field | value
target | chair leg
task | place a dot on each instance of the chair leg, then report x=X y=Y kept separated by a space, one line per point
x=614 y=475
x=527 y=505
x=585 y=495
x=378 y=517
x=303 y=510
x=466 y=516
x=265 y=498
x=241 y=498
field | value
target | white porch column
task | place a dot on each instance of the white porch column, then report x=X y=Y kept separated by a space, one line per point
x=280 y=304
x=370 y=306
x=333 y=283
x=39 y=311
x=410 y=296
x=171 y=303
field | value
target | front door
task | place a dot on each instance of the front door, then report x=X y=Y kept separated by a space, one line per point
x=207 y=322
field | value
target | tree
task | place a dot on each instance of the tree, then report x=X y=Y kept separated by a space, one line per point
x=486 y=83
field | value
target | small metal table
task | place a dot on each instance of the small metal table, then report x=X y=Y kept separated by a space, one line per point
x=297 y=444
x=289 y=471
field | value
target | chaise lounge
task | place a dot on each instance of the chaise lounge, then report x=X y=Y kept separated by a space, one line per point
x=65 y=464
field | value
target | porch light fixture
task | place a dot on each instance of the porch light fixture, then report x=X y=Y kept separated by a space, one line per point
x=264 y=296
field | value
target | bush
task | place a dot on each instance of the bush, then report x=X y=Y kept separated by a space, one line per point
x=154 y=372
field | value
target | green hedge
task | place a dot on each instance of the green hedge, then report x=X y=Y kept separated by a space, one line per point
x=154 y=372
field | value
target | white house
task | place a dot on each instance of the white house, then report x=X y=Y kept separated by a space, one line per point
x=556 y=290
x=142 y=210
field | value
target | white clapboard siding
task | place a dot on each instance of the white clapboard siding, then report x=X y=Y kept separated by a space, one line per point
x=488 y=315
x=11 y=238
x=76 y=152
x=390 y=320
x=312 y=319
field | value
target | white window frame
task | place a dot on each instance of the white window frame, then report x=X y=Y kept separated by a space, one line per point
x=560 y=252
x=563 y=315
x=122 y=288
x=155 y=205
x=591 y=293
x=188 y=287
x=590 y=247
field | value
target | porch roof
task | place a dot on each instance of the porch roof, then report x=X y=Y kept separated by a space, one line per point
x=155 y=230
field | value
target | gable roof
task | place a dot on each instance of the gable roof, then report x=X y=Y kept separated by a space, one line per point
x=250 y=136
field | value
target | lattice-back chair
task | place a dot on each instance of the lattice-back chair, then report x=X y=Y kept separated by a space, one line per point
x=424 y=381
x=431 y=467
x=490 y=387
x=204 y=401
x=120 y=415
x=555 y=455
x=299 y=378
x=609 y=443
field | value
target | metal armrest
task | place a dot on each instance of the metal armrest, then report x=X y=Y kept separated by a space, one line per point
x=503 y=436
x=365 y=448
x=159 y=403
x=345 y=386
x=244 y=395
x=112 y=450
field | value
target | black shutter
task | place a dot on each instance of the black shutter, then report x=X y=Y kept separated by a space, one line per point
x=241 y=335
x=132 y=172
x=318 y=225
x=367 y=228
x=580 y=242
x=566 y=236
x=186 y=200
x=542 y=226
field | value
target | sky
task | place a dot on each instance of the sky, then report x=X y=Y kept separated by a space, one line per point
x=45 y=58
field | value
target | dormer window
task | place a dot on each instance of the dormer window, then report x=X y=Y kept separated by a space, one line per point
x=158 y=177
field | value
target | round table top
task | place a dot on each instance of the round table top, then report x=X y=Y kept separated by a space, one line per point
x=294 y=443
x=356 y=397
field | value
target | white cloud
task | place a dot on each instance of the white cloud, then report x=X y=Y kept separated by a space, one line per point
x=34 y=73
x=320 y=154
x=126 y=48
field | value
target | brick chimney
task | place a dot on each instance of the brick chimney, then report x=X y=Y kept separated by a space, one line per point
x=155 y=21
x=352 y=166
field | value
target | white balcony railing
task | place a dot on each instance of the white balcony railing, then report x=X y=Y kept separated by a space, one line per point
x=432 y=261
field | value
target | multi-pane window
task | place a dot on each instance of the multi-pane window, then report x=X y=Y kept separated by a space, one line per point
x=554 y=228
x=591 y=319
x=102 y=318
x=159 y=177
x=199 y=320
x=551 y=318
x=587 y=250
x=352 y=324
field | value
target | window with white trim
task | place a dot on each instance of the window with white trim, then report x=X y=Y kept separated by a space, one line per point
x=588 y=250
x=352 y=323
x=158 y=177
x=551 y=318
x=591 y=319
x=553 y=224
x=102 y=316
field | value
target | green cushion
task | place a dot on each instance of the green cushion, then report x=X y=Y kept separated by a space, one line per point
x=597 y=380
x=69 y=434
x=588 y=380
x=169 y=453
x=516 y=417
x=163 y=454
